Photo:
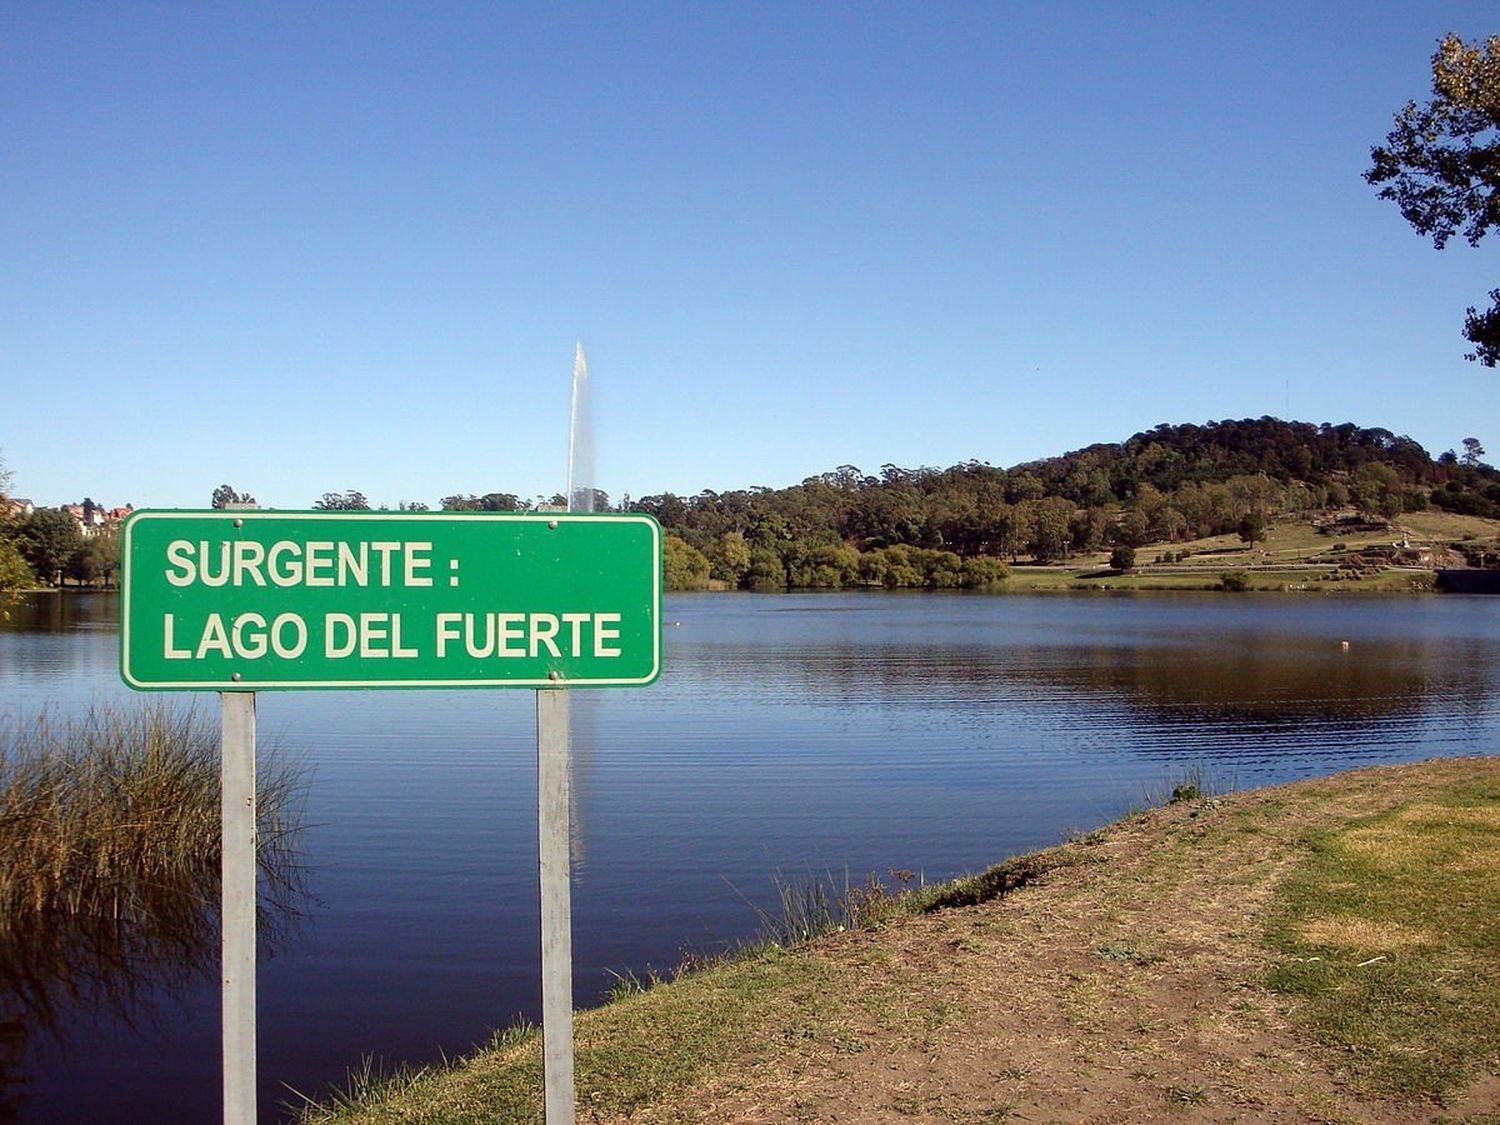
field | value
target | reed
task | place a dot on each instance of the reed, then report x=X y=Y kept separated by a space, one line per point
x=115 y=815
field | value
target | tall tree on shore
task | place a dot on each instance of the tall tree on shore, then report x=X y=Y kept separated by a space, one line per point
x=1441 y=164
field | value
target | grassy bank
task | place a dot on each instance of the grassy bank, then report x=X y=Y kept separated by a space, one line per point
x=1321 y=951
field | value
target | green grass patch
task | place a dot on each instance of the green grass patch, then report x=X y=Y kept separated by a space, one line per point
x=1389 y=935
x=638 y=1050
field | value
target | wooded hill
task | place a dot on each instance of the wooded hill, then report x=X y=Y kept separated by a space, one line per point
x=951 y=527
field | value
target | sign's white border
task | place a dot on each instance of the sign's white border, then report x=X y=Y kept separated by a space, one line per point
x=467 y=517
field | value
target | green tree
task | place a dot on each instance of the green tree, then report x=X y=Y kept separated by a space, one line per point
x=767 y=572
x=1168 y=524
x=15 y=576
x=1050 y=536
x=226 y=495
x=821 y=565
x=1441 y=164
x=1089 y=529
x=351 y=501
x=1015 y=525
x=15 y=571
x=489 y=502
x=1235 y=580
x=892 y=567
x=47 y=540
x=684 y=567
x=95 y=558
x=1473 y=452
x=984 y=571
x=1377 y=488
x=1024 y=486
x=729 y=558
x=1122 y=558
x=1252 y=528
x=1132 y=530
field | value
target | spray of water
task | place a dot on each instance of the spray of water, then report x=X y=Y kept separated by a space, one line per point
x=581 y=439
x=581 y=497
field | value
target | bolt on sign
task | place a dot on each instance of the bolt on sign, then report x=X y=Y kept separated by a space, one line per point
x=257 y=600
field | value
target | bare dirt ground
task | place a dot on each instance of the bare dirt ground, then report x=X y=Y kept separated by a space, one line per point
x=1123 y=988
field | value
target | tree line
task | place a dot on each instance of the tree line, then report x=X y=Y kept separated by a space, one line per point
x=957 y=527
x=1163 y=486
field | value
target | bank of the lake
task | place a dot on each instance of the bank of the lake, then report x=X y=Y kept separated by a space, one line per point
x=1316 y=951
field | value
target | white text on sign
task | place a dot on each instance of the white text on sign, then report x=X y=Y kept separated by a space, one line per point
x=251 y=636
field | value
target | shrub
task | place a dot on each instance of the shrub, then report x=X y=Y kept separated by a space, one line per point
x=1234 y=580
x=1122 y=558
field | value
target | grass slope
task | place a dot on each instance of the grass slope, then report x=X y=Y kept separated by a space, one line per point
x=1317 y=952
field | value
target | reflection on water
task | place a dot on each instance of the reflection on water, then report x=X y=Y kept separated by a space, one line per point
x=932 y=732
x=1214 y=673
x=60 y=973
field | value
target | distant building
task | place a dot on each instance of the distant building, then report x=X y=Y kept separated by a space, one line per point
x=89 y=516
x=18 y=507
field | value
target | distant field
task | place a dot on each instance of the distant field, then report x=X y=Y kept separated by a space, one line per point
x=1294 y=556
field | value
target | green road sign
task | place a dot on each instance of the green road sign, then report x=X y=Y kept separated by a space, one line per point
x=251 y=600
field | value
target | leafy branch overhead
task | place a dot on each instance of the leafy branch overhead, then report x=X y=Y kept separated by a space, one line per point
x=1441 y=164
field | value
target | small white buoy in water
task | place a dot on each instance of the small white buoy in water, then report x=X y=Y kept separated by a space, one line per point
x=1344 y=645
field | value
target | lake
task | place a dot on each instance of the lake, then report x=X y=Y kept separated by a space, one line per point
x=805 y=734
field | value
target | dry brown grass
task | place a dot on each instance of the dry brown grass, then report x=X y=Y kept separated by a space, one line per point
x=116 y=813
x=1361 y=933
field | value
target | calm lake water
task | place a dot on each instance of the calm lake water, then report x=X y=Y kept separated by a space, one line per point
x=800 y=733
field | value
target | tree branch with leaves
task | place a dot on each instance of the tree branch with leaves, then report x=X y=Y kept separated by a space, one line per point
x=1441 y=164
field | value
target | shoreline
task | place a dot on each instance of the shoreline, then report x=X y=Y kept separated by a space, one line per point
x=1171 y=960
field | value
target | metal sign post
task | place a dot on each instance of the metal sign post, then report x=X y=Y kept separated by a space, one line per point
x=557 y=912
x=237 y=875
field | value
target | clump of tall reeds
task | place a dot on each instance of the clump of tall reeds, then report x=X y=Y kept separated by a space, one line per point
x=115 y=814
x=109 y=856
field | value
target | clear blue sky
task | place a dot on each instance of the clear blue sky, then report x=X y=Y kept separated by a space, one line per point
x=303 y=248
